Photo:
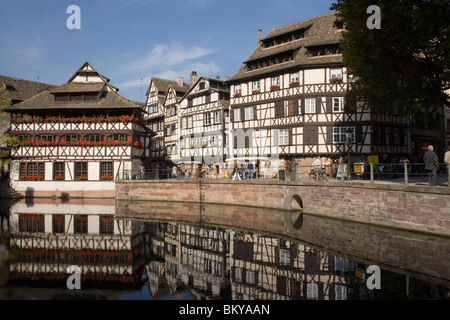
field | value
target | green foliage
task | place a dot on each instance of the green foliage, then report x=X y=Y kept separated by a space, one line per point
x=406 y=62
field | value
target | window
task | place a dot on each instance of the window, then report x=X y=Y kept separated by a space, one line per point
x=46 y=138
x=183 y=123
x=207 y=119
x=237 y=89
x=312 y=291
x=106 y=169
x=283 y=137
x=81 y=223
x=310 y=105
x=275 y=81
x=119 y=137
x=285 y=256
x=237 y=114
x=71 y=137
x=94 y=137
x=106 y=224
x=294 y=77
x=256 y=87
x=24 y=138
x=340 y=135
x=249 y=113
x=31 y=222
x=58 y=223
x=58 y=171
x=217 y=117
x=190 y=121
x=32 y=169
x=81 y=170
x=336 y=74
x=338 y=104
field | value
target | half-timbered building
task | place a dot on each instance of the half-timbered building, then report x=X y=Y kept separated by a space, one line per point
x=81 y=130
x=174 y=94
x=289 y=99
x=204 y=121
x=155 y=116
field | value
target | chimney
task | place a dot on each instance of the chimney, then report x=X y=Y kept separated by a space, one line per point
x=217 y=77
x=180 y=81
x=259 y=37
x=193 y=78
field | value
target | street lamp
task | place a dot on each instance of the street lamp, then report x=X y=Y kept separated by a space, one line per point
x=348 y=134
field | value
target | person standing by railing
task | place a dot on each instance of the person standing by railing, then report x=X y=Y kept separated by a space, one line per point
x=431 y=161
x=447 y=158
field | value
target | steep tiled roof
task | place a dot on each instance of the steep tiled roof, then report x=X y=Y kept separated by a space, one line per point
x=46 y=101
x=79 y=87
x=20 y=89
x=319 y=30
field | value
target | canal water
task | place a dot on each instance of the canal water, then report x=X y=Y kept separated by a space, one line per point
x=119 y=250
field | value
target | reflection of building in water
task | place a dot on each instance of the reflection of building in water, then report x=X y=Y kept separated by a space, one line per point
x=264 y=267
x=187 y=256
x=205 y=260
x=48 y=238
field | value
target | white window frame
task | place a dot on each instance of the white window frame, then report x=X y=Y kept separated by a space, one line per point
x=339 y=106
x=294 y=77
x=256 y=85
x=249 y=113
x=275 y=81
x=238 y=89
x=237 y=115
x=310 y=105
x=207 y=119
x=217 y=117
x=283 y=137
x=190 y=122
x=339 y=135
x=336 y=73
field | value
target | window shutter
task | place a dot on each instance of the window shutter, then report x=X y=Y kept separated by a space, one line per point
x=329 y=104
x=279 y=109
x=330 y=134
x=254 y=113
x=295 y=107
x=290 y=107
x=242 y=114
x=358 y=134
x=208 y=98
x=318 y=105
x=232 y=115
x=291 y=138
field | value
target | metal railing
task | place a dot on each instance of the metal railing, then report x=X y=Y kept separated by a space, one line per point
x=404 y=173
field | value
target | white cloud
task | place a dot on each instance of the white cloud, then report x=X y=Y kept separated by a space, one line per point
x=167 y=55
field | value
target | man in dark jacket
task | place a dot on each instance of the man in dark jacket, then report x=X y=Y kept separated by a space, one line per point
x=431 y=164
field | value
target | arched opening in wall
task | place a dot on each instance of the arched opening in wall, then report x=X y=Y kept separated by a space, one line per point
x=297 y=211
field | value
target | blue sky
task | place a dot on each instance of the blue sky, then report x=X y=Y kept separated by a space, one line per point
x=134 y=40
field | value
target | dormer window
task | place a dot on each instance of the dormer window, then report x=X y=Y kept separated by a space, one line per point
x=323 y=50
x=201 y=86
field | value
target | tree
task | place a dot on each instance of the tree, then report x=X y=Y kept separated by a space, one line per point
x=5 y=101
x=404 y=65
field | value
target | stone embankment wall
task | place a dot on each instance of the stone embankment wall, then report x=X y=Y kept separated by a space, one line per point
x=416 y=208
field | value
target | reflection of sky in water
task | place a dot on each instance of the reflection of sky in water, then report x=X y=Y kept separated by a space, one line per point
x=144 y=294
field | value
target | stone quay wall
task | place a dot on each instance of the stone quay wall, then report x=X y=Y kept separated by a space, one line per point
x=415 y=208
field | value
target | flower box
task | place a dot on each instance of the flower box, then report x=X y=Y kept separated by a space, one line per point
x=82 y=177
x=59 y=177
x=274 y=87
x=336 y=80
x=106 y=177
x=256 y=91
x=238 y=94
x=294 y=84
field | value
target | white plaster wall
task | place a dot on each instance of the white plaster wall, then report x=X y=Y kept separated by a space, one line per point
x=314 y=76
